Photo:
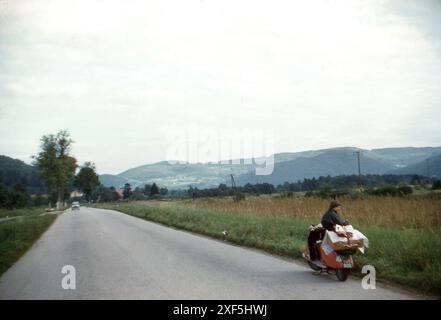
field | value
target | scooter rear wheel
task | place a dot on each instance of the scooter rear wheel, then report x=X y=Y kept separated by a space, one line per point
x=342 y=274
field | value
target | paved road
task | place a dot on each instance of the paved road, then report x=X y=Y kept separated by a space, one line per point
x=117 y=256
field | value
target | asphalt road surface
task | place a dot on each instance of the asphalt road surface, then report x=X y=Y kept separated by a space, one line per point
x=117 y=256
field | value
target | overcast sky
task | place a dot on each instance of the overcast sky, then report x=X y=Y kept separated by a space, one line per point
x=119 y=74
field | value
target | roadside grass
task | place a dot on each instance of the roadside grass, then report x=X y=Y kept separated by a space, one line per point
x=33 y=211
x=409 y=257
x=18 y=235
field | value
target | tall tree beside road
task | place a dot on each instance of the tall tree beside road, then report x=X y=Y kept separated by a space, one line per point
x=127 y=193
x=55 y=164
x=87 y=180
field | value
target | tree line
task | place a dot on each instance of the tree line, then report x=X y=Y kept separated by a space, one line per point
x=56 y=168
x=55 y=174
x=146 y=192
x=392 y=185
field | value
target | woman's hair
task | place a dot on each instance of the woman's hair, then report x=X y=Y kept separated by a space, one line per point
x=334 y=204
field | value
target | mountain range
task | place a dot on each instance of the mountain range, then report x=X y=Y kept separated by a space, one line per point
x=288 y=166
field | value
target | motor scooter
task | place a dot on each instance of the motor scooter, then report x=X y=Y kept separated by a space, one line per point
x=338 y=261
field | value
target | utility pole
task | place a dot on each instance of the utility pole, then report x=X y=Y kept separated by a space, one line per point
x=428 y=169
x=358 y=153
x=233 y=183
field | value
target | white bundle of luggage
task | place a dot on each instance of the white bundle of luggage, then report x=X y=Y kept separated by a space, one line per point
x=345 y=237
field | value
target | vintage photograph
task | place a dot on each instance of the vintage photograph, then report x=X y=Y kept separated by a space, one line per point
x=215 y=150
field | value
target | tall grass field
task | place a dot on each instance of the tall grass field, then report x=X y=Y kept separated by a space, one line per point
x=404 y=233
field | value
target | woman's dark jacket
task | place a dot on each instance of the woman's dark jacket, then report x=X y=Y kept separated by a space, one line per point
x=331 y=218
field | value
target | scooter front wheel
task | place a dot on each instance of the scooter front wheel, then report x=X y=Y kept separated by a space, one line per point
x=342 y=274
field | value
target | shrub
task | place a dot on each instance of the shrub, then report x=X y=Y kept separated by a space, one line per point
x=325 y=191
x=404 y=190
x=309 y=194
x=288 y=194
x=40 y=200
x=436 y=185
x=239 y=197
x=391 y=191
x=13 y=198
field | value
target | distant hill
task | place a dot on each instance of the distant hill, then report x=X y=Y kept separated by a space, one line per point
x=342 y=161
x=334 y=162
x=402 y=157
x=428 y=167
x=182 y=175
x=13 y=171
x=110 y=180
x=288 y=167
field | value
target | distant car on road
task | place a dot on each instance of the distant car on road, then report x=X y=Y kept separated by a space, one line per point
x=75 y=205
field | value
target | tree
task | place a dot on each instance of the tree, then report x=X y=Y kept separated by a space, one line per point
x=326 y=190
x=87 y=180
x=101 y=193
x=436 y=184
x=147 y=189
x=40 y=200
x=16 y=197
x=163 y=191
x=55 y=164
x=415 y=180
x=154 y=190
x=127 y=193
x=4 y=193
x=20 y=196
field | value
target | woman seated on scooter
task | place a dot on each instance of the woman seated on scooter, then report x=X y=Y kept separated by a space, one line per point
x=332 y=216
x=329 y=220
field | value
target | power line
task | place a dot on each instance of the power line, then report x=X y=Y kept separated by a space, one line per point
x=358 y=162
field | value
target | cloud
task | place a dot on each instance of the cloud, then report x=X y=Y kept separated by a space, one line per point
x=318 y=73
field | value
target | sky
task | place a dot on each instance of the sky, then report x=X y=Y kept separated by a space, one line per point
x=131 y=80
